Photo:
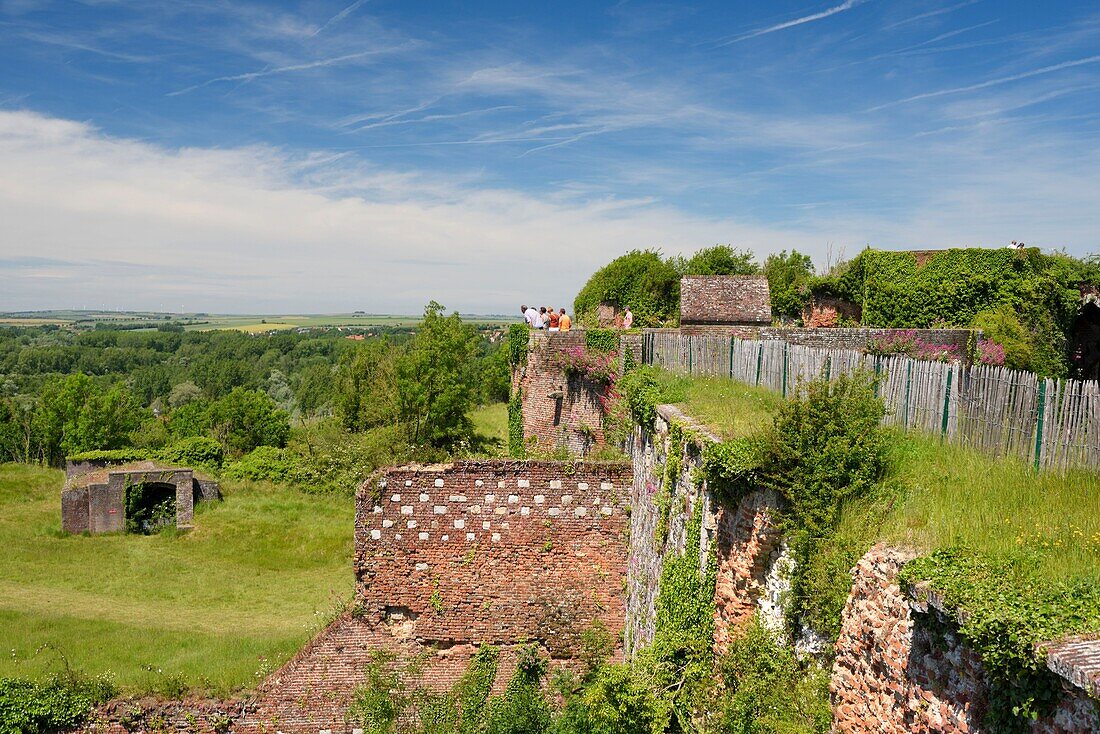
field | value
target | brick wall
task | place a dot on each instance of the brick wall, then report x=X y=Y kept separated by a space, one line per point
x=859 y=338
x=452 y=556
x=890 y=675
x=558 y=410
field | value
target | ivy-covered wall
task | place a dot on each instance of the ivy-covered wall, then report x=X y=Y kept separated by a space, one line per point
x=962 y=287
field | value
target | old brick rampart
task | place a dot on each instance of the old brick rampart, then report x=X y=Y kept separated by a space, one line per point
x=453 y=556
x=893 y=675
x=827 y=338
x=558 y=409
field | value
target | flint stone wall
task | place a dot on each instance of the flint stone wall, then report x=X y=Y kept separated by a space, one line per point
x=891 y=675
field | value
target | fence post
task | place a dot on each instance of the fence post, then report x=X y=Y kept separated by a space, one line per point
x=691 y=355
x=878 y=374
x=947 y=402
x=828 y=368
x=1039 y=424
x=786 y=350
x=908 y=387
x=731 y=357
x=759 y=362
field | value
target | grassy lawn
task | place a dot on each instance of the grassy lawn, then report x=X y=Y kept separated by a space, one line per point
x=491 y=423
x=213 y=609
x=729 y=408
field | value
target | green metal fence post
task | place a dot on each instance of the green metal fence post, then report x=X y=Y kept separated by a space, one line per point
x=908 y=388
x=731 y=357
x=759 y=362
x=786 y=351
x=828 y=368
x=691 y=353
x=946 y=402
x=878 y=375
x=1039 y=424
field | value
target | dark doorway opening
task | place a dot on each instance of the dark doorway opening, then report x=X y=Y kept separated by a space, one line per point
x=150 y=507
x=1086 y=340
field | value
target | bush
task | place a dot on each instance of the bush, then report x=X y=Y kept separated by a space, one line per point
x=194 y=451
x=263 y=463
x=642 y=280
x=120 y=456
x=57 y=704
x=641 y=391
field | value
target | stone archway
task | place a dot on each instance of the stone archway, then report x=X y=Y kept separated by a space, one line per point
x=150 y=506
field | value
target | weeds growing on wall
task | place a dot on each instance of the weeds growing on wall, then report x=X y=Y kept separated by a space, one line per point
x=602 y=340
x=1004 y=626
x=58 y=703
x=517 y=447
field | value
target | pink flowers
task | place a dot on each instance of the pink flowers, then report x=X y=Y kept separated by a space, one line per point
x=991 y=353
x=908 y=343
x=598 y=367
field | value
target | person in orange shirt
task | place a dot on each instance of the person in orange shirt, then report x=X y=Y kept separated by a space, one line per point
x=552 y=315
x=564 y=322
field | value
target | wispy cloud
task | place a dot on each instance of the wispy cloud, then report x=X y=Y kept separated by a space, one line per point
x=990 y=83
x=844 y=6
x=339 y=17
x=305 y=66
x=929 y=14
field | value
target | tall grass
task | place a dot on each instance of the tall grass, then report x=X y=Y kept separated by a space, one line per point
x=212 y=609
x=731 y=409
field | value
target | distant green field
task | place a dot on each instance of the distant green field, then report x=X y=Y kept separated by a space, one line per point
x=214 y=609
x=252 y=323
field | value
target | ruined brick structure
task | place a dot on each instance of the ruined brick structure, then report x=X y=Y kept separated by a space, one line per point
x=558 y=409
x=891 y=676
x=450 y=557
x=725 y=300
x=95 y=502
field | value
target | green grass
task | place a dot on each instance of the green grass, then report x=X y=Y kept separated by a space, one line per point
x=729 y=408
x=956 y=496
x=491 y=422
x=213 y=608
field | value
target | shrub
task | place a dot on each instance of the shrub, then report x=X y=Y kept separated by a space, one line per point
x=521 y=709
x=120 y=456
x=642 y=280
x=641 y=391
x=59 y=703
x=1001 y=326
x=194 y=451
x=264 y=463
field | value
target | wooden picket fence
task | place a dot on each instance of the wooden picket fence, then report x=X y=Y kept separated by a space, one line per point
x=1051 y=423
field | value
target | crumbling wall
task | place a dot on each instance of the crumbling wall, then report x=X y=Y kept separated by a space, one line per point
x=893 y=675
x=558 y=409
x=452 y=556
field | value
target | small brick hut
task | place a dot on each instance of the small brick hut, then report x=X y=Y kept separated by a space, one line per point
x=725 y=300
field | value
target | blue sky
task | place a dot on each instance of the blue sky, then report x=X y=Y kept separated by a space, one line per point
x=337 y=155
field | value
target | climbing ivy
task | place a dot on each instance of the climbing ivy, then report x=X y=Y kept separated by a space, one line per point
x=517 y=448
x=519 y=335
x=602 y=340
x=674 y=466
x=1004 y=626
x=473 y=688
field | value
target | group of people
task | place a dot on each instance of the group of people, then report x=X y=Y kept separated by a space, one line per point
x=546 y=318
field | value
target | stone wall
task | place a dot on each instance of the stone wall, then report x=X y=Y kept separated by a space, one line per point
x=558 y=410
x=744 y=536
x=892 y=675
x=824 y=338
x=96 y=502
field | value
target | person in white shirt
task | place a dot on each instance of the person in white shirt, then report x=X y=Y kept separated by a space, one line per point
x=628 y=319
x=531 y=316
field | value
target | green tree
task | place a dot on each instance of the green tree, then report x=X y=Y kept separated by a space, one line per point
x=718 y=260
x=366 y=394
x=438 y=380
x=789 y=282
x=183 y=393
x=1002 y=325
x=315 y=389
x=245 y=419
x=641 y=280
x=76 y=415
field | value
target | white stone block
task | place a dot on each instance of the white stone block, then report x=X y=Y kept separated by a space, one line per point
x=505 y=526
x=474 y=509
x=539 y=499
x=496 y=537
x=523 y=483
x=407 y=509
x=479 y=483
x=356 y=731
x=376 y=535
x=554 y=511
x=486 y=525
x=439 y=482
x=525 y=511
x=408 y=482
x=446 y=538
x=377 y=509
x=470 y=536
x=580 y=511
x=457 y=498
x=607 y=485
x=501 y=510
x=501 y=484
x=567 y=499
x=440 y=509
x=395 y=498
x=513 y=499
x=422 y=567
x=424 y=497
x=410 y=524
x=605 y=511
x=397 y=537
x=582 y=486
x=460 y=523
x=387 y=523
x=555 y=484
x=423 y=536
x=490 y=499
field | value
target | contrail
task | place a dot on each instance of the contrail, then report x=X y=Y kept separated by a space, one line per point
x=339 y=16
x=991 y=82
x=847 y=5
x=249 y=76
x=929 y=14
